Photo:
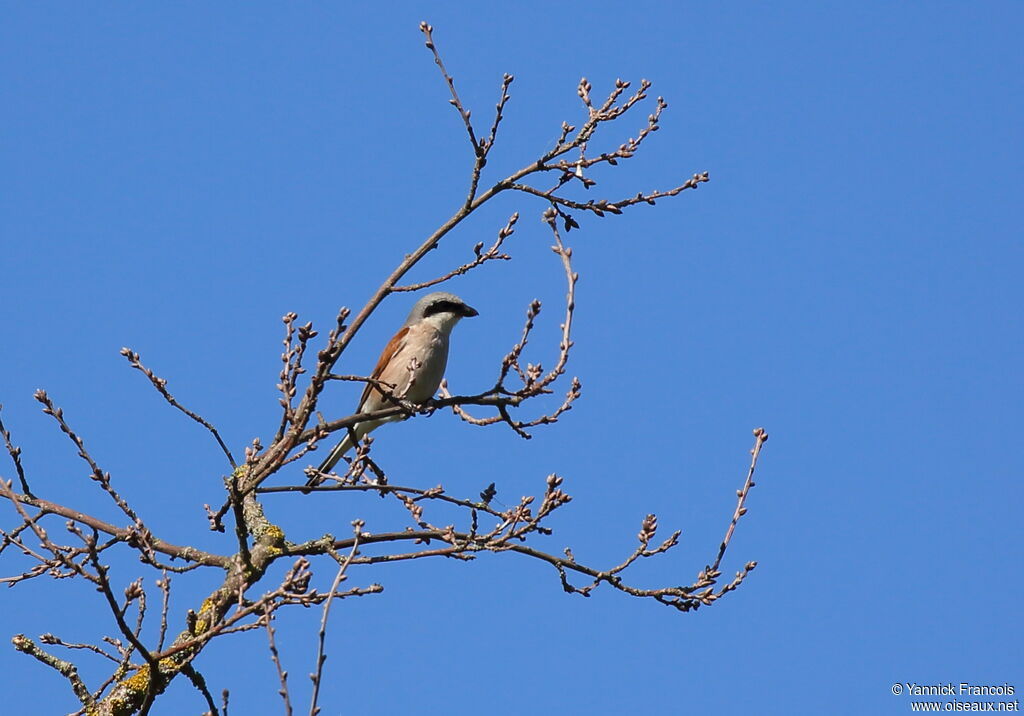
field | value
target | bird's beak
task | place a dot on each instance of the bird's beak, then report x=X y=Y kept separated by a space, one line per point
x=469 y=311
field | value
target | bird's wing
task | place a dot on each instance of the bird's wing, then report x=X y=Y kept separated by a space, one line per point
x=395 y=345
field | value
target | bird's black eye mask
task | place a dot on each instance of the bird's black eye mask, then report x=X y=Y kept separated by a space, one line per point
x=444 y=307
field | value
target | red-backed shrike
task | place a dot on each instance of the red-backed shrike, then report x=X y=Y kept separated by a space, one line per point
x=411 y=365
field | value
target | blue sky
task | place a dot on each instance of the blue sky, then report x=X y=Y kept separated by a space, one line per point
x=177 y=178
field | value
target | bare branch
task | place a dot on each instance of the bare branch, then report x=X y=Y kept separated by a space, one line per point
x=433 y=493
x=499 y=109
x=65 y=668
x=760 y=438
x=518 y=521
x=357 y=527
x=482 y=257
x=427 y=31
x=51 y=639
x=200 y=683
x=601 y=206
x=534 y=383
x=152 y=686
x=292 y=368
x=275 y=657
x=100 y=477
x=161 y=385
x=15 y=453
x=190 y=554
x=165 y=589
x=62 y=557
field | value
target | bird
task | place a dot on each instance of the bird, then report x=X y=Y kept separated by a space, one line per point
x=413 y=362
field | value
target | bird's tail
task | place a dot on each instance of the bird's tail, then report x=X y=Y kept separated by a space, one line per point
x=331 y=460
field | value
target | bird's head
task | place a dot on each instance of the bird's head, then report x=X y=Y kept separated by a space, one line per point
x=442 y=309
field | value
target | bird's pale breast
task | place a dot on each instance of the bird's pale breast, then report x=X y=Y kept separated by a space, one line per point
x=429 y=348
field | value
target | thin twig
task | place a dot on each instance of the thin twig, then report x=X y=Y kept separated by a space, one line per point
x=760 y=437
x=481 y=258
x=433 y=493
x=165 y=589
x=499 y=109
x=357 y=528
x=275 y=657
x=51 y=639
x=161 y=385
x=599 y=207
x=427 y=31
x=100 y=477
x=200 y=683
x=15 y=453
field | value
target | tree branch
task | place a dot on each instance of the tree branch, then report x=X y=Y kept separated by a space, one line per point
x=161 y=386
